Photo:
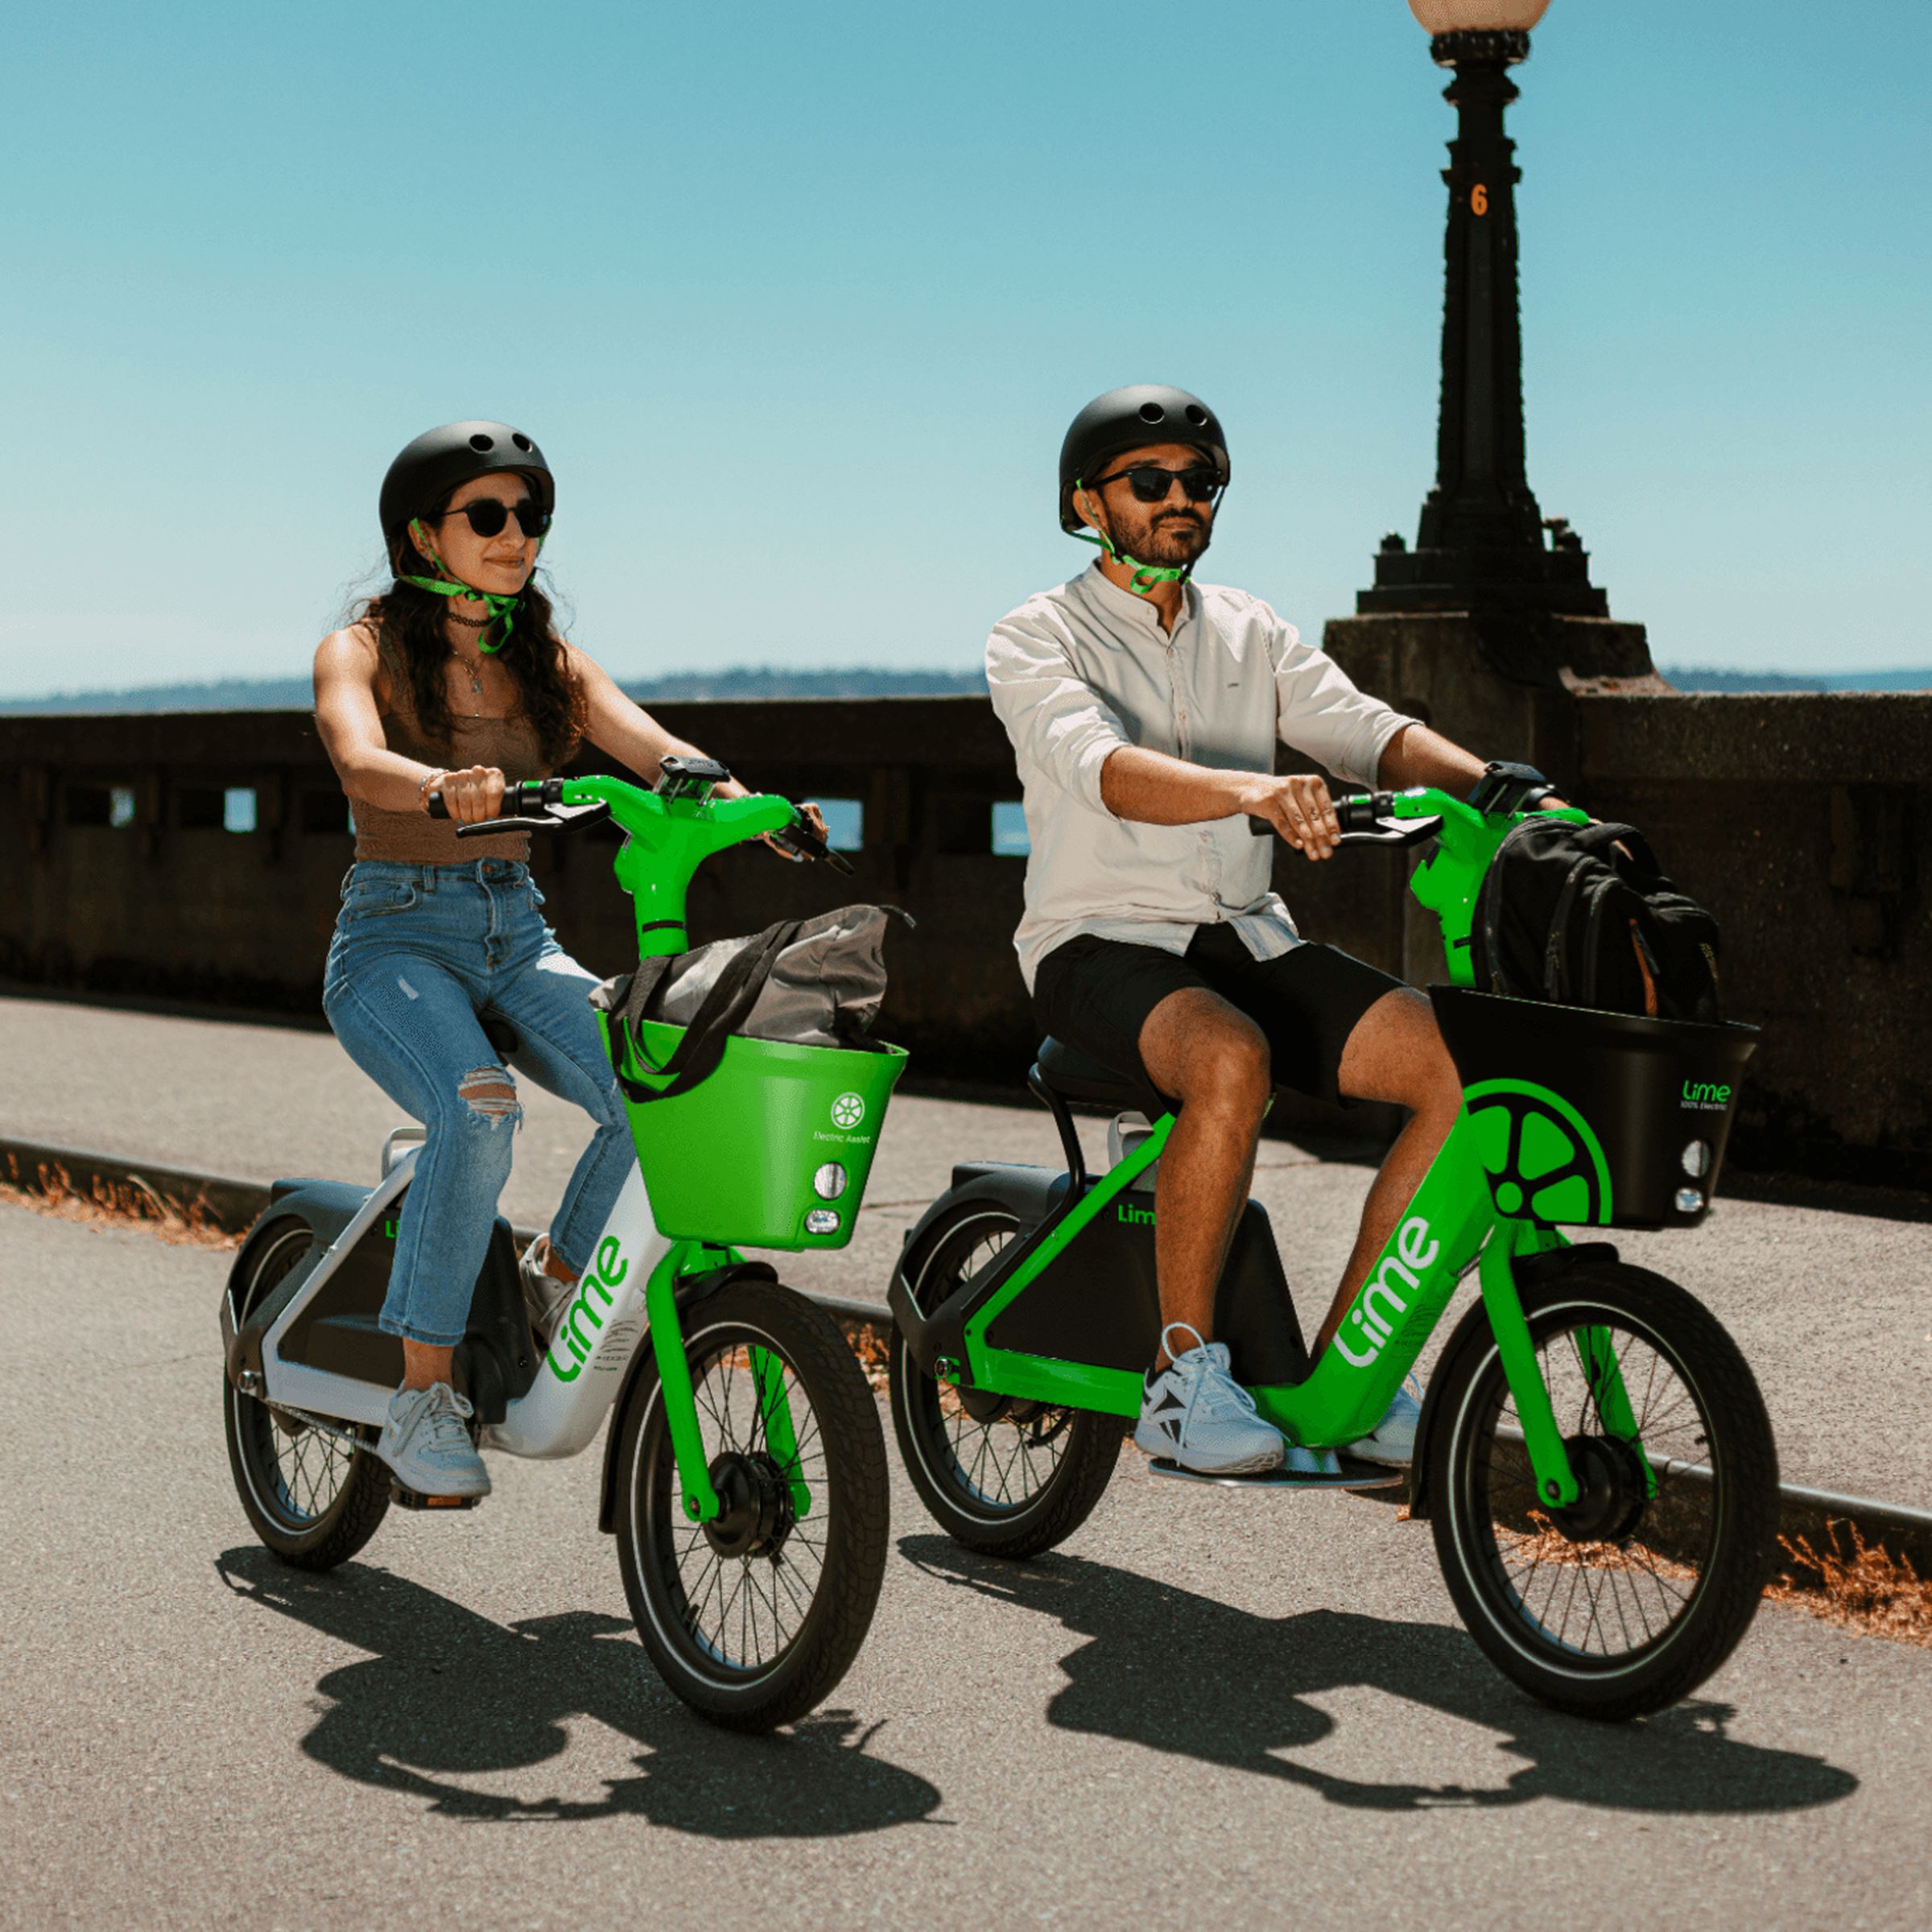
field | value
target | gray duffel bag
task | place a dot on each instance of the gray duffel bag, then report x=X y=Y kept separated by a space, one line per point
x=815 y=982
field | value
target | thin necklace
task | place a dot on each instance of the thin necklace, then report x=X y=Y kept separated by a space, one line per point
x=476 y=676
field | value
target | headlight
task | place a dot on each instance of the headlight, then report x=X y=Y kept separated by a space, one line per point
x=1697 y=1159
x=828 y=1183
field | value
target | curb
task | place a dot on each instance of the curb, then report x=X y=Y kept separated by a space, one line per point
x=227 y=1204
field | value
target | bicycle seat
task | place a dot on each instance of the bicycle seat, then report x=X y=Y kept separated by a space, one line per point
x=499 y=1032
x=1075 y=1076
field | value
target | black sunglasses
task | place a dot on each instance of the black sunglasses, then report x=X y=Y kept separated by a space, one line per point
x=1153 y=485
x=487 y=515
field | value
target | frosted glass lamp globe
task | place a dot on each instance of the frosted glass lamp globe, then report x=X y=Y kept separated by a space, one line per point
x=1478 y=16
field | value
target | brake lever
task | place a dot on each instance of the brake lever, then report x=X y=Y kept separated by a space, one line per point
x=1397 y=832
x=559 y=817
x=795 y=839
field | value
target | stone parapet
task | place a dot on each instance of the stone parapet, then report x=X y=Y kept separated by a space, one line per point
x=1799 y=819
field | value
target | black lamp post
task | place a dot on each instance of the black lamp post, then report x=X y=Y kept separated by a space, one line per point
x=1480 y=546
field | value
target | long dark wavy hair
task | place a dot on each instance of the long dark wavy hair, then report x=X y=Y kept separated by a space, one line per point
x=408 y=626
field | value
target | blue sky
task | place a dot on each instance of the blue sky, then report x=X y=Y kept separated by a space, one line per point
x=800 y=300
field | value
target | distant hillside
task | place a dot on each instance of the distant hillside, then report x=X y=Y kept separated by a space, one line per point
x=293 y=694
x=775 y=681
x=1694 y=677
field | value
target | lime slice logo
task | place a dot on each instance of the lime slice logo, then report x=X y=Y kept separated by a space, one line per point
x=1543 y=1161
x=848 y=1110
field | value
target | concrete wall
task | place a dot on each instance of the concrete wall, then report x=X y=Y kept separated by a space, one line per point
x=1798 y=820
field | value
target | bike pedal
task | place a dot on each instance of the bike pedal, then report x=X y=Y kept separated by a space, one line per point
x=414 y=1499
x=1356 y=1476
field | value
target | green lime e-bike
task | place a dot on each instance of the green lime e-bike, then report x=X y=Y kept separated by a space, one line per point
x=1593 y=1452
x=745 y=1470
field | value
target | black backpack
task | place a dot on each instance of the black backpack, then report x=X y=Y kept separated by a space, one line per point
x=1581 y=915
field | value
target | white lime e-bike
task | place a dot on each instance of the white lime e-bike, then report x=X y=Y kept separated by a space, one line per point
x=744 y=1473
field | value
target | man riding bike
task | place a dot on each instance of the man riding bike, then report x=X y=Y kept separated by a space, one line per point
x=1143 y=709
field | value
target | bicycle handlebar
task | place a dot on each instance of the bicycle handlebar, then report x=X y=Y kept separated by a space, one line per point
x=538 y=805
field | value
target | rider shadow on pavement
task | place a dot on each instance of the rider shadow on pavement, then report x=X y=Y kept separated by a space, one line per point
x=1247 y=1679
x=448 y=1694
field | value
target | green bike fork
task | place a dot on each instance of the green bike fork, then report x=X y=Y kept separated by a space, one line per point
x=774 y=1411
x=1548 y=1458
x=701 y=1503
x=1596 y=1357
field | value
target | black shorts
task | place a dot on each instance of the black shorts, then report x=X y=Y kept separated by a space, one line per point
x=1096 y=994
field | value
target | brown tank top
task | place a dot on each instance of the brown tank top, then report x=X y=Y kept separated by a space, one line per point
x=415 y=838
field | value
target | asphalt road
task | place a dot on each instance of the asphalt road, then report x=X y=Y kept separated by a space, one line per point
x=1834 y=1309
x=1206 y=1709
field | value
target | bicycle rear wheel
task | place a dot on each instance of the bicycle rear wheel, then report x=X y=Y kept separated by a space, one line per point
x=1629 y=1598
x=311 y=1498
x=1004 y=1477
x=753 y=1617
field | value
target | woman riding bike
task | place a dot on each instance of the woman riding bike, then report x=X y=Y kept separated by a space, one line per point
x=454 y=680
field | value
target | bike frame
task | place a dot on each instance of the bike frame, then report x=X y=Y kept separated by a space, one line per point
x=628 y=1292
x=1451 y=1225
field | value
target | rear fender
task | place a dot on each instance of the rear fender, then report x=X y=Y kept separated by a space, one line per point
x=691 y=1290
x=325 y=1208
x=1032 y=1195
x=1472 y=1336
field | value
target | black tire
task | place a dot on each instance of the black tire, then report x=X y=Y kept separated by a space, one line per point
x=683 y=1587
x=312 y=1501
x=1669 y=1582
x=1026 y=1477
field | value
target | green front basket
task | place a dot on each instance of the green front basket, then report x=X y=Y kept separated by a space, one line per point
x=777 y=1132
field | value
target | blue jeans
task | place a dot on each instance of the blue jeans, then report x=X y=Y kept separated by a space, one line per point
x=419 y=951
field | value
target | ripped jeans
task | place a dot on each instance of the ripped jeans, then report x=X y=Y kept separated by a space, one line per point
x=419 y=951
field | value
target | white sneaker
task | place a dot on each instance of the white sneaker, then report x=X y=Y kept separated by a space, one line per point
x=545 y=1297
x=1195 y=1414
x=1393 y=1439
x=427 y=1444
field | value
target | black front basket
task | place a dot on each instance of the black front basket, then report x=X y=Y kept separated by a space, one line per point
x=1600 y=1119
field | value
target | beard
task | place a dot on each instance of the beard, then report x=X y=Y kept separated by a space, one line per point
x=1166 y=536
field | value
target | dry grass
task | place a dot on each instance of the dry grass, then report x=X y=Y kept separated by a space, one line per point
x=1861 y=1586
x=1857 y=1585
x=869 y=1342
x=49 y=1189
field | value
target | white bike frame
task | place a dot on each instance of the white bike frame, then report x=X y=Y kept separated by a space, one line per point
x=581 y=1374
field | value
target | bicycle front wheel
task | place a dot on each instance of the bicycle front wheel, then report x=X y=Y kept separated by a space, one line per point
x=753 y=1617
x=1627 y=1599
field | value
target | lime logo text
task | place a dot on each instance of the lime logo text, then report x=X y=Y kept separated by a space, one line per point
x=578 y=1330
x=1136 y=1217
x=1706 y=1093
x=1409 y=1253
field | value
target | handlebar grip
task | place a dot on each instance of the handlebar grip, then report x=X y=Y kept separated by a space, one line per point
x=1359 y=813
x=437 y=807
x=1364 y=812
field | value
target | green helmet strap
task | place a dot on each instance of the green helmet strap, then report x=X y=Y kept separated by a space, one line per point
x=1145 y=575
x=501 y=609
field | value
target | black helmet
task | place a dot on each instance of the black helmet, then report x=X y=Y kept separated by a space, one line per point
x=1130 y=419
x=438 y=459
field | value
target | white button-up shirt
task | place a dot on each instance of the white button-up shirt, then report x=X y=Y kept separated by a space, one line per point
x=1077 y=672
